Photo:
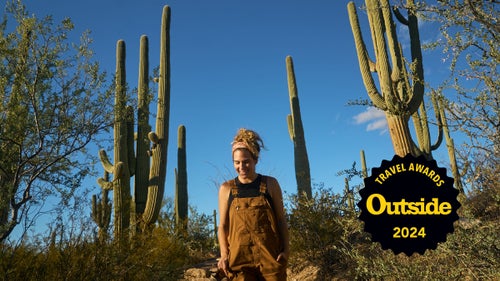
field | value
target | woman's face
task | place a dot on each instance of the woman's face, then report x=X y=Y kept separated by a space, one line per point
x=244 y=164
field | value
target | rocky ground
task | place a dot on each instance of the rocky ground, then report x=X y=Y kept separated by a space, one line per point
x=207 y=271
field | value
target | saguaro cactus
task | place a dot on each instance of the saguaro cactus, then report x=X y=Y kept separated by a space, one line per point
x=400 y=98
x=296 y=132
x=364 y=170
x=402 y=92
x=150 y=175
x=181 y=193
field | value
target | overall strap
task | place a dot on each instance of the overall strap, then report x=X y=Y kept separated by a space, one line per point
x=264 y=192
x=263 y=186
x=234 y=188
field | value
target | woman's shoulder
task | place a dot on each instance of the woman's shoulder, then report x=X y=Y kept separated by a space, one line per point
x=270 y=179
x=272 y=183
x=226 y=186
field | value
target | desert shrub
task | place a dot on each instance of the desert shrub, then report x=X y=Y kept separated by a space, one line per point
x=160 y=254
x=468 y=254
x=324 y=234
x=199 y=236
x=322 y=231
x=154 y=256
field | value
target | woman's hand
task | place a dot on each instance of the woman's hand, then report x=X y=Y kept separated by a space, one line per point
x=223 y=265
x=282 y=256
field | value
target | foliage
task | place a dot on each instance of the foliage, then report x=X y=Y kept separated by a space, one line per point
x=53 y=103
x=469 y=40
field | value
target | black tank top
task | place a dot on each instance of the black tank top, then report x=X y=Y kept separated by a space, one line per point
x=247 y=190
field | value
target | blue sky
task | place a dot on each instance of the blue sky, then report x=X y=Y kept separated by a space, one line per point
x=228 y=71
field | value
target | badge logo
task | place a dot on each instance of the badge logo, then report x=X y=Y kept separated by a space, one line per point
x=408 y=204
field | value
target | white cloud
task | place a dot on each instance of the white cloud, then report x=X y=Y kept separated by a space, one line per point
x=375 y=119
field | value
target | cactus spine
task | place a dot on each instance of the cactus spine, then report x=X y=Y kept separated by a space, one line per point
x=181 y=194
x=150 y=177
x=296 y=132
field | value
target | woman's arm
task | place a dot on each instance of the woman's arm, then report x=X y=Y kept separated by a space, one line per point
x=223 y=230
x=277 y=196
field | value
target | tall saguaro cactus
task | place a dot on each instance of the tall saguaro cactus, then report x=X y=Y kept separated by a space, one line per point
x=181 y=194
x=402 y=93
x=296 y=132
x=149 y=172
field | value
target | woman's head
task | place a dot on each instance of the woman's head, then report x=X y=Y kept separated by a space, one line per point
x=249 y=140
x=245 y=152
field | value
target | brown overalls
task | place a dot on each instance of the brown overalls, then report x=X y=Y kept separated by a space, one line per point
x=254 y=242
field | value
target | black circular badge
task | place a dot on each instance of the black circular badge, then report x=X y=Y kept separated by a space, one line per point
x=408 y=204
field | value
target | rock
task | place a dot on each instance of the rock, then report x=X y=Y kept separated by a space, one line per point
x=196 y=273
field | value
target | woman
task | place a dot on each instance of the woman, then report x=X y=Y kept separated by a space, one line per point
x=253 y=232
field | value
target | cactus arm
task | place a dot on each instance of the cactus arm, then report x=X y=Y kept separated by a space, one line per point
x=153 y=137
x=101 y=211
x=423 y=136
x=400 y=16
x=143 y=128
x=106 y=185
x=366 y=66
x=417 y=124
x=106 y=164
x=159 y=153
x=417 y=59
x=382 y=59
x=394 y=49
x=438 y=111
